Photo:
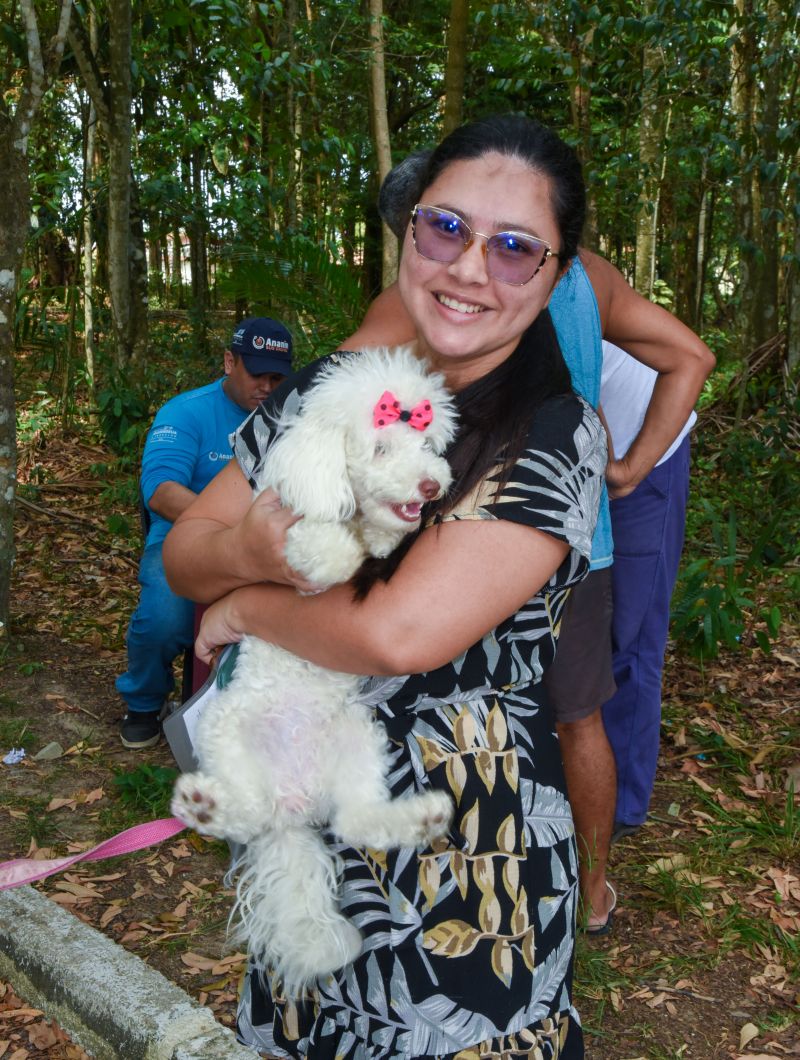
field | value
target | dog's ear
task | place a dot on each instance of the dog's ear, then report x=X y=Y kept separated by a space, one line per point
x=308 y=468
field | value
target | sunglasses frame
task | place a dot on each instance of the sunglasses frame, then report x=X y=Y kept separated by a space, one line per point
x=548 y=251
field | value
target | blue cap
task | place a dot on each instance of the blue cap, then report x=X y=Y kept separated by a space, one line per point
x=264 y=345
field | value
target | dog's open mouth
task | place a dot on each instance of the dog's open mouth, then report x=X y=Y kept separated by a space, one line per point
x=408 y=512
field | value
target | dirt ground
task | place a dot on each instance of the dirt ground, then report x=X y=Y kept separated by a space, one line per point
x=670 y=981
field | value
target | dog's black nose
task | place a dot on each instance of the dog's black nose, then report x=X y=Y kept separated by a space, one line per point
x=429 y=488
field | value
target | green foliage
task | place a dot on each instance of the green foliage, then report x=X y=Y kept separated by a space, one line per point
x=716 y=603
x=36 y=418
x=30 y=668
x=122 y=482
x=302 y=283
x=124 y=415
x=118 y=525
x=13 y=733
x=35 y=323
x=147 y=787
x=740 y=573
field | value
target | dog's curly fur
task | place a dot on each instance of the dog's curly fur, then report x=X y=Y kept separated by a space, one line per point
x=287 y=747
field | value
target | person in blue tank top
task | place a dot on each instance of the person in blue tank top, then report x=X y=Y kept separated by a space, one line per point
x=592 y=301
x=186 y=447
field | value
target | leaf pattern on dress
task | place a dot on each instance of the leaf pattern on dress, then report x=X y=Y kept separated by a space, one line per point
x=489 y=910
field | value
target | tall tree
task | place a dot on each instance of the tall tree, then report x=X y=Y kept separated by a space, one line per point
x=16 y=125
x=128 y=305
x=746 y=192
x=380 y=128
x=653 y=127
x=456 y=65
x=88 y=226
x=126 y=262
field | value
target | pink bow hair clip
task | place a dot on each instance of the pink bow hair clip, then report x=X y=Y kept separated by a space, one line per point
x=388 y=410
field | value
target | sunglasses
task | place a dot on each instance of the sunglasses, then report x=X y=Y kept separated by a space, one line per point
x=511 y=257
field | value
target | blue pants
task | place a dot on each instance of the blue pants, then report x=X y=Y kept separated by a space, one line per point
x=648 y=527
x=161 y=628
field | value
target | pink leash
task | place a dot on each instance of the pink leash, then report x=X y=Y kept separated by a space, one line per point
x=28 y=870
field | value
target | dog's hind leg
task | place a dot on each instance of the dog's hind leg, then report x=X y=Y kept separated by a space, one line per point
x=287 y=906
x=364 y=813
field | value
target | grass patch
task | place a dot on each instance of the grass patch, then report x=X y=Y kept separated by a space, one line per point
x=147 y=788
x=37 y=824
x=16 y=732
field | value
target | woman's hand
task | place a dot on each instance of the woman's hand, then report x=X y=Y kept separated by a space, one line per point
x=221 y=624
x=225 y=540
x=263 y=536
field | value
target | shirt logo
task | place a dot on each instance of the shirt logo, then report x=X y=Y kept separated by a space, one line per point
x=164 y=434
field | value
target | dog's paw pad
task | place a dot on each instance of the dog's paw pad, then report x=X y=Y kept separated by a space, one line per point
x=194 y=806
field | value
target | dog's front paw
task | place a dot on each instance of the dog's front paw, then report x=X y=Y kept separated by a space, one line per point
x=325 y=553
x=199 y=802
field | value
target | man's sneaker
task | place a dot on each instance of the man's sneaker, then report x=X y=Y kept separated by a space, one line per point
x=140 y=729
x=621 y=830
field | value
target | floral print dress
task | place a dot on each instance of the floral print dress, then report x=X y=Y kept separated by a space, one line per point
x=468 y=944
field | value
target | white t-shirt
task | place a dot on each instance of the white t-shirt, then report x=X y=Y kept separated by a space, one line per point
x=625 y=390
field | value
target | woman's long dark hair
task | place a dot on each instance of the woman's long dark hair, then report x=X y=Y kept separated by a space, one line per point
x=495 y=411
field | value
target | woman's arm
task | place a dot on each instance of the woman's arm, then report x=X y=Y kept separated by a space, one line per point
x=659 y=340
x=386 y=323
x=225 y=539
x=457 y=582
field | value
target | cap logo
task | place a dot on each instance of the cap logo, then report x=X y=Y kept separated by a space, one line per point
x=258 y=342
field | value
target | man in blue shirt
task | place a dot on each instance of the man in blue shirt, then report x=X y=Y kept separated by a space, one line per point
x=186 y=447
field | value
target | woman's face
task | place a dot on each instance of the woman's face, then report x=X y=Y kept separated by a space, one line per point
x=467 y=322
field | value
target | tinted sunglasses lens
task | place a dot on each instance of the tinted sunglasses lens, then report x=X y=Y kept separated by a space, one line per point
x=514 y=258
x=438 y=235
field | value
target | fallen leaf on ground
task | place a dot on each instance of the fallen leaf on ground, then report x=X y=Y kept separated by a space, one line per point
x=668 y=864
x=747 y=1034
x=42 y=1035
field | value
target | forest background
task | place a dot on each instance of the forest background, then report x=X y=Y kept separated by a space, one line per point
x=169 y=167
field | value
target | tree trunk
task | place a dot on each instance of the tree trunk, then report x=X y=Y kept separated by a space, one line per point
x=88 y=240
x=156 y=266
x=580 y=108
x=456 y=65
x=198 y=258
x=743 y=96
x=176 y=273
x=119 y=185
x=765 y=309
x=703 y=232
x=793 y=274
x=14 y=214
x=380 y=131
x=15 y=128
x=651 y=138
x=286 y=39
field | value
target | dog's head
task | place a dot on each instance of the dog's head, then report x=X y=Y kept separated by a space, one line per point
x=368 y=437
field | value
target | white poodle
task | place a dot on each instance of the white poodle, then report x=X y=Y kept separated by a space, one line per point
x=287 y=747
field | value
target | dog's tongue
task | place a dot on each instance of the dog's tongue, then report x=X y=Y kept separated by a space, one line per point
x=410 y=511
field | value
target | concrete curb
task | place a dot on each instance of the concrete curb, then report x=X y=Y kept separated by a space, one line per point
x=111 y=1002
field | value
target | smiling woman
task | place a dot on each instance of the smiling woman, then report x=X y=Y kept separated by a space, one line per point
x=467 y=943
x=469 y=313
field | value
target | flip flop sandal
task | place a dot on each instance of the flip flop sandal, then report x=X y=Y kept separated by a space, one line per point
x=598 y=930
